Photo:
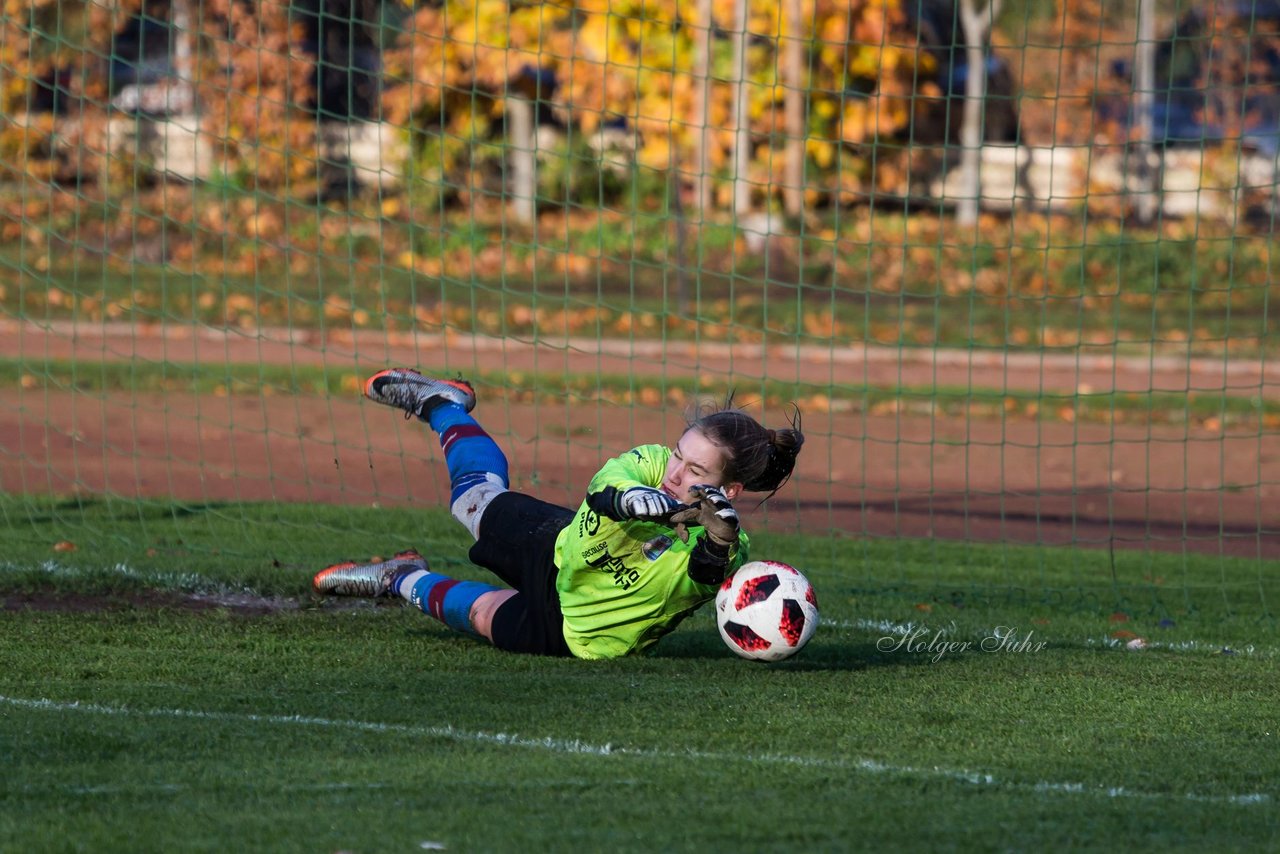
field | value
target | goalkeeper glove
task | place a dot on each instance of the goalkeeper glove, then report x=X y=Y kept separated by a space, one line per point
x=712 y=511
x=638 y=502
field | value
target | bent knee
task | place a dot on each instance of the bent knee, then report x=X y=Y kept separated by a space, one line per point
x=484 y=609
x=469 y=507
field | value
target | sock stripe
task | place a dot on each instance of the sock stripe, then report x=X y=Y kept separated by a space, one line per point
x=471 y=456
x=448 y=600
x=460 y=431
x=435 y=598
x=457 y=604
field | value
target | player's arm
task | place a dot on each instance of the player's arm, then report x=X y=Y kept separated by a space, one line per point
x=625 y=487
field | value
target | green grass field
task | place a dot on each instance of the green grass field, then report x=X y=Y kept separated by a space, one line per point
x=169 y=682
x=172 y=684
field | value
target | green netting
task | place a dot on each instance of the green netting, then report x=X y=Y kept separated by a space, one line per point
x=1048 y=327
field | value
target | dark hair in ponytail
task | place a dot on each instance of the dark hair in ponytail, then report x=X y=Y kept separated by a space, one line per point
x=759 y=458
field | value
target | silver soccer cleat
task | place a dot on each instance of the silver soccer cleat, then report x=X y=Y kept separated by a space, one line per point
x=366 y=579
x=415 y=393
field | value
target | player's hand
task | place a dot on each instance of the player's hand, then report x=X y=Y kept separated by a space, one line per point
x=647 y=503
x=712 y=511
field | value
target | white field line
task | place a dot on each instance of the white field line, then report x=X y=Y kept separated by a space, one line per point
x=582 y=748
x=185 y=582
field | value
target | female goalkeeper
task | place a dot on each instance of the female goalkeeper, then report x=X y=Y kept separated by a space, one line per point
x=653 y=540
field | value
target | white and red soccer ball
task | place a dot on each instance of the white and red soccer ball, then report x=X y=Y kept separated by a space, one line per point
x=766 y=610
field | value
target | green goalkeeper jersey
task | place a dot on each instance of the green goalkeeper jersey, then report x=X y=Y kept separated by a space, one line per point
x=623 y=585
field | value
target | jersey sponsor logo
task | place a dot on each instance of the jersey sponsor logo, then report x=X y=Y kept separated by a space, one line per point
x=591 y=552
x=622 y=576
x=655 y=548
x=589 y=524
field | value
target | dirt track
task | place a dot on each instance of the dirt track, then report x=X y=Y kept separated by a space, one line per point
x=982 y=479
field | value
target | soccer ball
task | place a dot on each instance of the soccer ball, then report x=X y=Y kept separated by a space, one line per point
x=766 y=610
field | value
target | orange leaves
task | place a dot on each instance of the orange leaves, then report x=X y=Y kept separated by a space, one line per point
x=636 y=59
x=609 y=60
x=251 y=88
x=29 y=49
x=822 y=324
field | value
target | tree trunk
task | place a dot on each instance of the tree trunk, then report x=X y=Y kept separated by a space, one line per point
x=1148 y=204
x=183 y=54
x=702 y=100
x=520 y=142
x=741 y=121
x=977 y=25
x=794 y=80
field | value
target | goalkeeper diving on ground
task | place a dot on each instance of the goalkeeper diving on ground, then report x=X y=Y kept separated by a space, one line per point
x=654 y=538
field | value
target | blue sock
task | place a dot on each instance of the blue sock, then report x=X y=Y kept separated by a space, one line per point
x=447 y=599
x=470 y=454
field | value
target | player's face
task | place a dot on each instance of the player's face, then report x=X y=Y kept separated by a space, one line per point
x=694 y=460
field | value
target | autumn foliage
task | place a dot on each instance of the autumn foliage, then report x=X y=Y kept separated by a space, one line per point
x=249 y=81
x=252 y=86
x=628 y=67
x=633 y=60
x=595 y=63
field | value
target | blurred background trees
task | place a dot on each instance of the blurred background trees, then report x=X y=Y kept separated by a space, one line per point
x=257 y=72
x=718 y=104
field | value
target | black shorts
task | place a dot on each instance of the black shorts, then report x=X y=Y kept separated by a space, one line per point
x=517 y=543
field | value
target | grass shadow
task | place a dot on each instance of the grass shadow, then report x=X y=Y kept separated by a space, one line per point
x=820 y=654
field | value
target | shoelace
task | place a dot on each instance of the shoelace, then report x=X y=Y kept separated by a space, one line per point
x=413 y=413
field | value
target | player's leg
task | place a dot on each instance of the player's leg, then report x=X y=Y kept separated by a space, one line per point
x=517 y=540
x=523 y=623
x=518 y=546
x=486 y=607
x=464 y=606
x=517 y=543
x=478 y=470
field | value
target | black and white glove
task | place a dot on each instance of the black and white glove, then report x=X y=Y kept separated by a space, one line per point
x=712 y=511
x=638 y=502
